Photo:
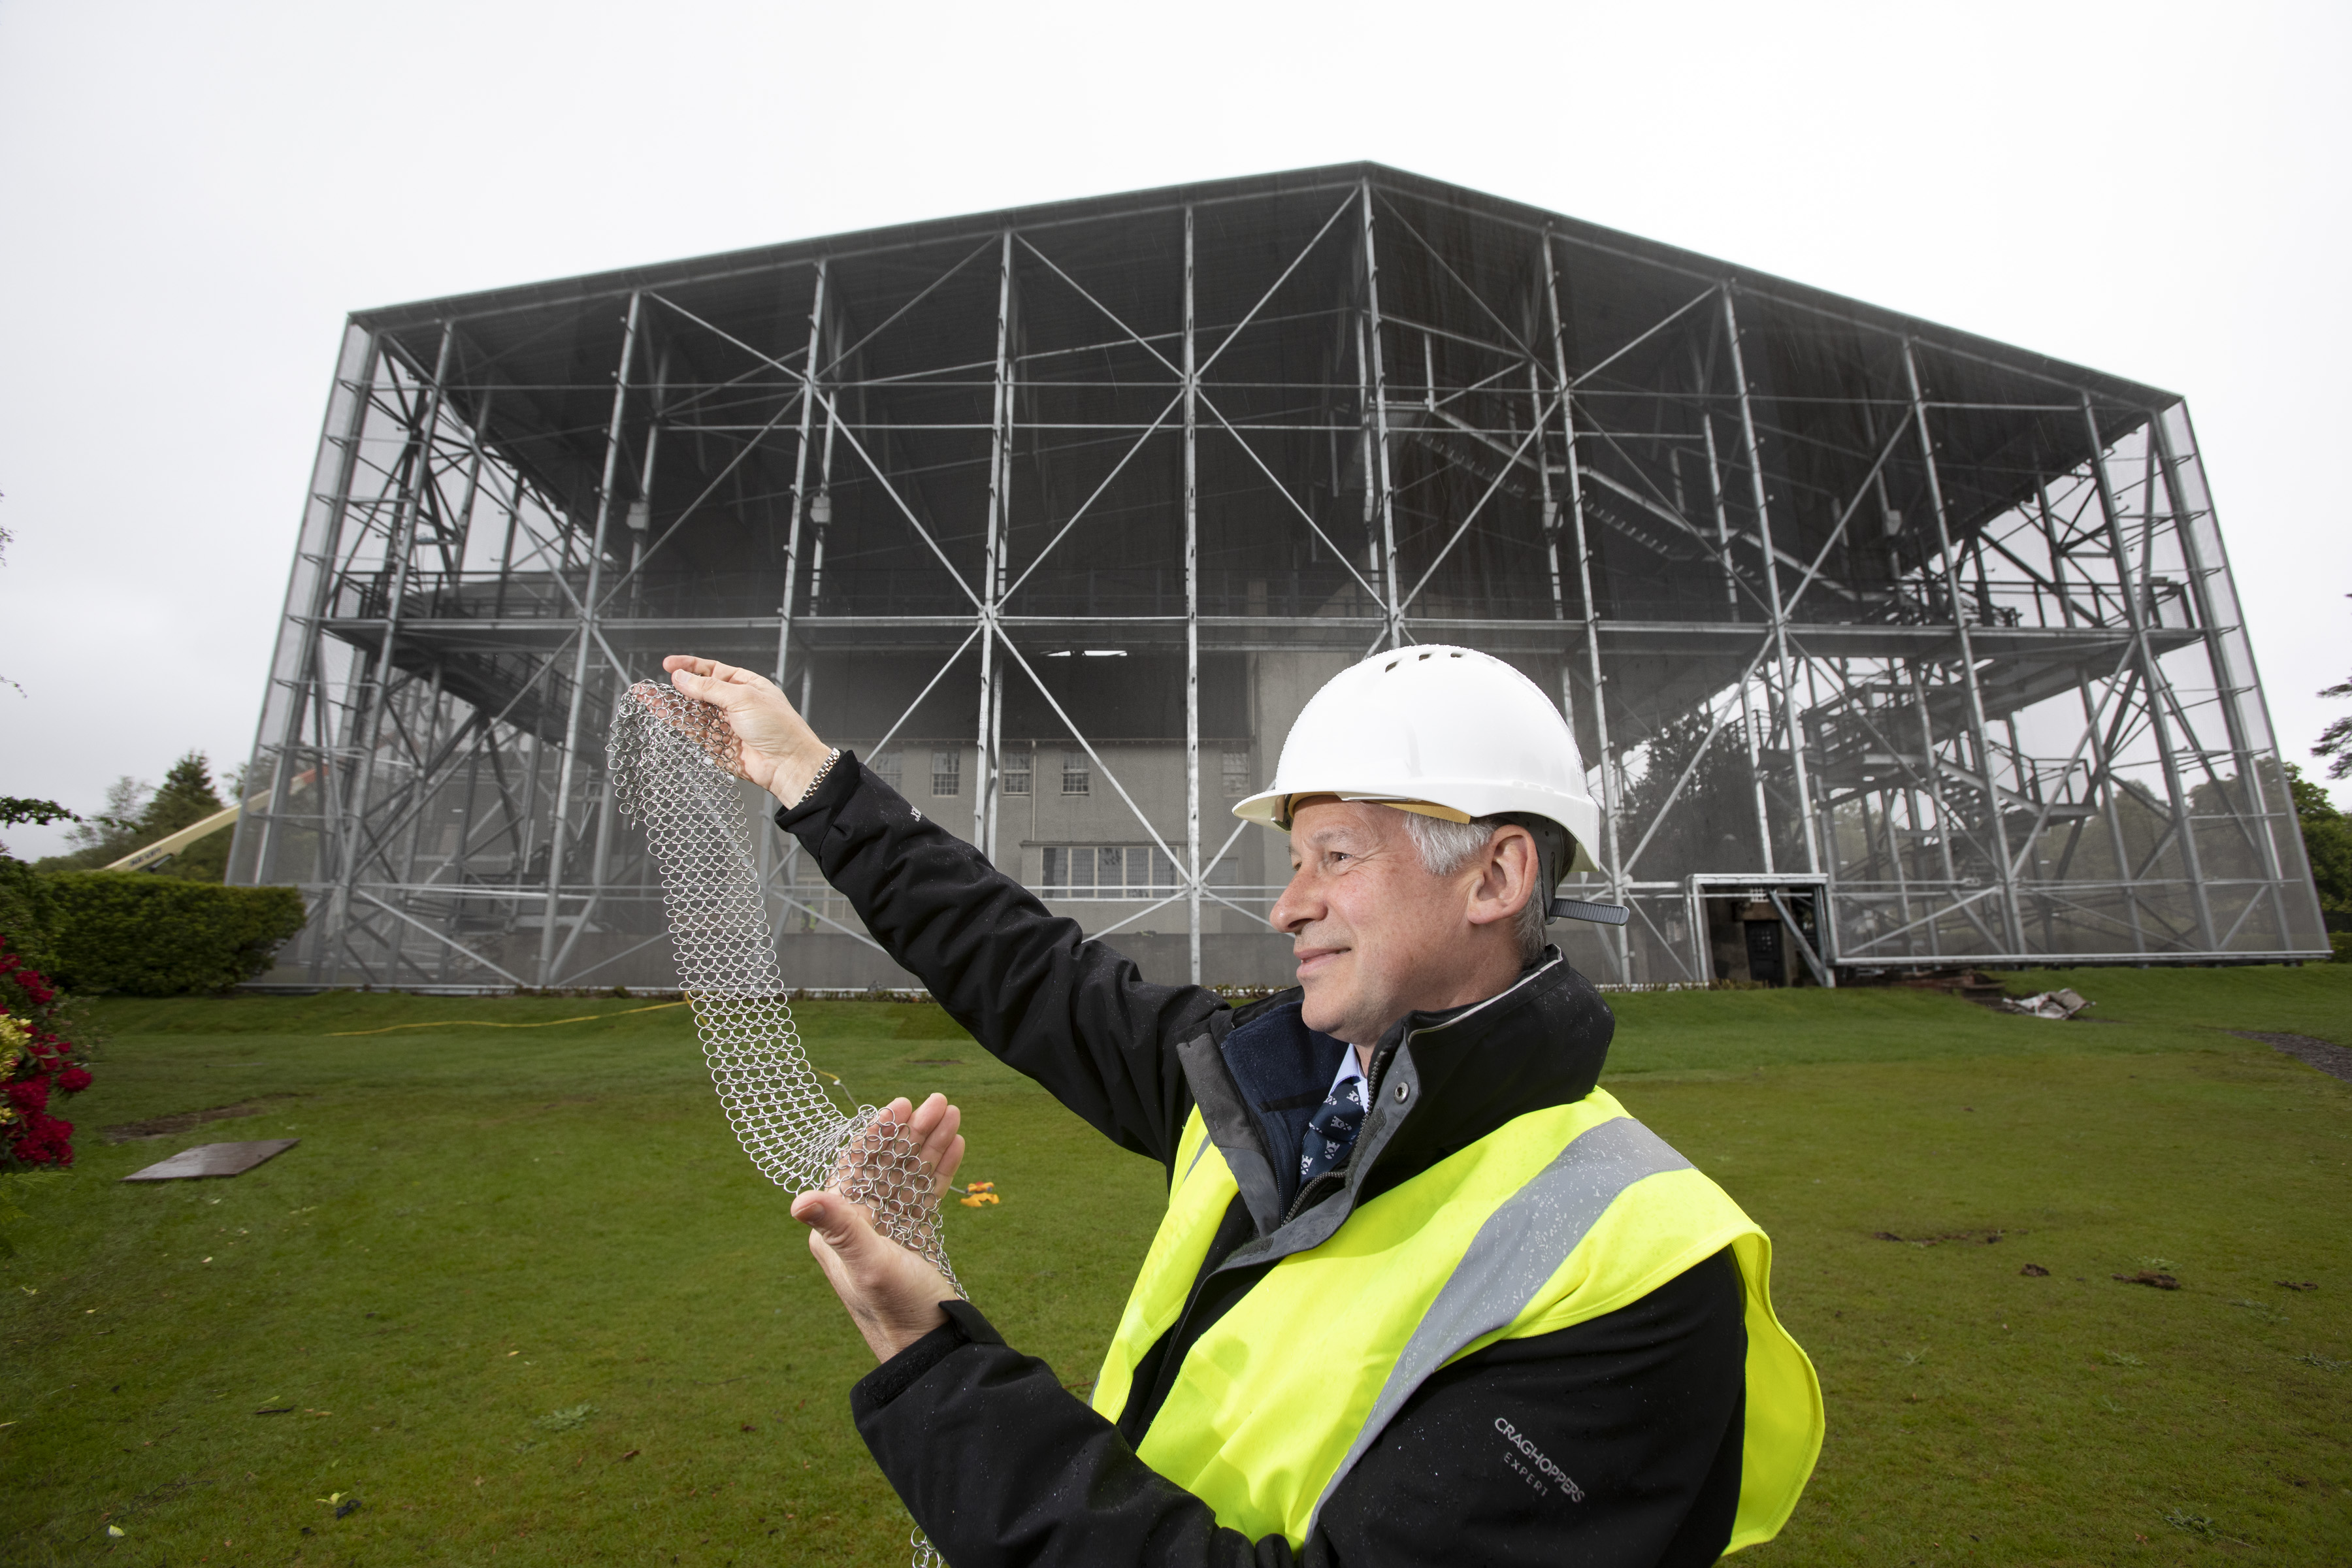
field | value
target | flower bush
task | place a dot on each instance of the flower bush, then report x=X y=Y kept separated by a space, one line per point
x=37 y=1065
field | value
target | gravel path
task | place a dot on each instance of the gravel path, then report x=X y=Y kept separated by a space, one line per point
x=2335 y=1060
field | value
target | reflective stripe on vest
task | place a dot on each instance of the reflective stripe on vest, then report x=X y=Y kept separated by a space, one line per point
x=1558 y=1216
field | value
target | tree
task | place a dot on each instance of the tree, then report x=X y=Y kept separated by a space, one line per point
x=107 y=835
x=16 y=809
x=187 y=797
x=2336 y=741
x=2328 y=841
x=1712 y=822
x=136 y=817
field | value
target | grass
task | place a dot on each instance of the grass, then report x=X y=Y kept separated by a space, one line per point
x=518 y=1293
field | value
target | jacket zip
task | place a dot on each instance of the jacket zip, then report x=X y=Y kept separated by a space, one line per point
x=1314 y=1191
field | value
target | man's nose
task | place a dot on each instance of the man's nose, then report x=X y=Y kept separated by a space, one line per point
x=1294 y=908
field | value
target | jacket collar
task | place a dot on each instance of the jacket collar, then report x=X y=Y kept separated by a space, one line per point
x=1473 y=1068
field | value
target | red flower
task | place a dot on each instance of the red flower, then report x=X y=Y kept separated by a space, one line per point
x=31 y=982
x=73 y=1081
x=46 y=1141
x=30 y=1095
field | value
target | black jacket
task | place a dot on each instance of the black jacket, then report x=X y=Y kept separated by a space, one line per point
x=1641 y=1408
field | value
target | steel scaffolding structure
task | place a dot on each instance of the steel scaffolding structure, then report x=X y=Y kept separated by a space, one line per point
x=1889 y=645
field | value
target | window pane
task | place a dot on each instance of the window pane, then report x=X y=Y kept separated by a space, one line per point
x=1016 y=766
x=947 y=772
x=1117 y=872
x=1077 y=777
x=885 y=767
x=1237 y=773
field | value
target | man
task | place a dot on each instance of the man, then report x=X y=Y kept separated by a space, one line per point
x=1423 y=1292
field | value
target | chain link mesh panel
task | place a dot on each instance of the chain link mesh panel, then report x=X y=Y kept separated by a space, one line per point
x=674 y=772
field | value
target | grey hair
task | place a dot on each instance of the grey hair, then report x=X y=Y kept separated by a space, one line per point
x=1447 y=847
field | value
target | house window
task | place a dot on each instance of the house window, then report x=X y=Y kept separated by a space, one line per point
x=1077 y=777
x=947 y=772
x=1016 y=773
x=1108 y=871
x=885 y=768
x=1237 y=773
x=1068 y=869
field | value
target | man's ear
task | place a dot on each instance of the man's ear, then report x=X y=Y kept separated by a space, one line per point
x=1508 y=872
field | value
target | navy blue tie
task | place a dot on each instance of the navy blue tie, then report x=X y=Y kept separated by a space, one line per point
x=1332 y=1130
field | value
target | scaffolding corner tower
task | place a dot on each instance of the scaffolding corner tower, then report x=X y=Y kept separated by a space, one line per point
x=1888 y=645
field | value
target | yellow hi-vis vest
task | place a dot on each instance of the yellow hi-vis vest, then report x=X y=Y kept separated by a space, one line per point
x=1557 y=1217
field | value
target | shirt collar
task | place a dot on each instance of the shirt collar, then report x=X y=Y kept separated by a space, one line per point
x=1349 y=1067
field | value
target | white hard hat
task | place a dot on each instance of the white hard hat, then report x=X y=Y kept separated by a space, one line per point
x=1435 y=726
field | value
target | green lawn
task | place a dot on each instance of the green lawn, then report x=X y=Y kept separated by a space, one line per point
x=485 y=1228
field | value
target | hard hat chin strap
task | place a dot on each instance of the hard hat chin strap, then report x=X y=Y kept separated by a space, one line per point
x=1555 y=852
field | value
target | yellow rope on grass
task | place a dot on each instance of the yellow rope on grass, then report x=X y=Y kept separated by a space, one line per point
x=488 y=1024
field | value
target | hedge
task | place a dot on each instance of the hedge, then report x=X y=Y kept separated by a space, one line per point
x=156 y=936
x=26 y=912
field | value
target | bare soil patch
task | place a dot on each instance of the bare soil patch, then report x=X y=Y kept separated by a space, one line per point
x=181 y=1121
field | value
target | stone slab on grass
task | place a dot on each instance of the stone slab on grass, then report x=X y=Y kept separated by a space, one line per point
x=214 y=1159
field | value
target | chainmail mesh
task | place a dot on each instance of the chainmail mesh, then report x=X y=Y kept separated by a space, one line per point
x=675 y=771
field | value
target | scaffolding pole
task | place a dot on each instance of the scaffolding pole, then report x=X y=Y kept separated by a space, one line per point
x=992 y=544
x=1731 y=605
x=1385 y=487
x=587 y=636
x=399 y=544
x=1614 y=866
x=1791 y=724
x=2169 y=463
x=2151 y=677
x=1191 y=620
x=2004 y=864
x=303 y=689
x=800 y=486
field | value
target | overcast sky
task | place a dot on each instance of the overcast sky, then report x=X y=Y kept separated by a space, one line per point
x=193 y=197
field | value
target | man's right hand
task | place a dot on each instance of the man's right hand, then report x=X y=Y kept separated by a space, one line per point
x=893 y=1293
x=778 y=751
